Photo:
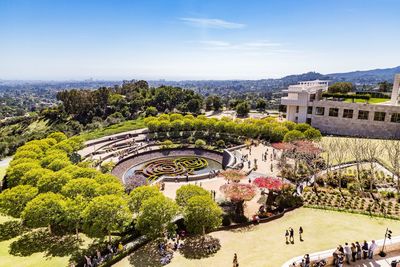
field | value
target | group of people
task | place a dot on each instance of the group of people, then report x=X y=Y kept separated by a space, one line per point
x=166 y=249
x=354 y=251
x=98 y=258
x=289 y=235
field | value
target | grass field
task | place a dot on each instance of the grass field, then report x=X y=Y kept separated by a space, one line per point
x=382 y=154
x=114 y=129
x=264 y=244
x=370 y=101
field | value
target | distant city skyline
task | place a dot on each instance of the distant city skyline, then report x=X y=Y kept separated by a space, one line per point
x=189 y=39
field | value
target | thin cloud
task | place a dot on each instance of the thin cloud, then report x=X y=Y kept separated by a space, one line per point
x=246 y=46
x=212 y=23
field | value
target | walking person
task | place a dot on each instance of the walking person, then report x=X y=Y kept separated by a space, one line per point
x=347 y=252
x=365 y=249
x=301 y=233
x=287 y=236
x=291 y=235
x=235 y=261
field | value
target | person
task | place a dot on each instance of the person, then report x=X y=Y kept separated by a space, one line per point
x=353 y=252
x=287 y=236
x=235 y=261
x=365 y=249
x=358 y=247
x=291 y=235
x=371 y=250
x=307 y=260
x=340 y=260
x=347 y=252
x=120 y=247
x=300 y=233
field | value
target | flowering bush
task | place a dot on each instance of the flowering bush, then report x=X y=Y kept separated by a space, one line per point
x=233 y=175
x=269 y=183
x=238 y=192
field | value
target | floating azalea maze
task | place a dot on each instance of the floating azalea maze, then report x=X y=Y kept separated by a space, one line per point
x=172 y=167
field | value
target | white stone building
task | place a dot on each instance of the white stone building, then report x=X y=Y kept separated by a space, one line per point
x=305 y=103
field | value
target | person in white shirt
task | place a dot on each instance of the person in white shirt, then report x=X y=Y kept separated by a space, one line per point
x=372 y=248
x=347 y=252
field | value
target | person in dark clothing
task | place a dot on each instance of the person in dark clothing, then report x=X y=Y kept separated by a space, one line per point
x=353 y=252
x=365 y=249
x=291 y=235
x=301 y=233
x=358 y=250
x=287 y=236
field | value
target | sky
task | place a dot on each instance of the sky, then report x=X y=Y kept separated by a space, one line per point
x=195 y=39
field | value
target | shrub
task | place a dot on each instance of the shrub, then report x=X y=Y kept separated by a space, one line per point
x=200 y=143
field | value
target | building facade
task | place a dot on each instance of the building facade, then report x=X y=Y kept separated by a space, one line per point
x=305 y=103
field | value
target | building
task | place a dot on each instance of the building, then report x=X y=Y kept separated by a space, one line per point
x=305 y=103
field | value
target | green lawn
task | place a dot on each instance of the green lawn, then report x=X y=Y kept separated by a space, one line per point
x=372 y=100
x=114 y=129
x=264 y=244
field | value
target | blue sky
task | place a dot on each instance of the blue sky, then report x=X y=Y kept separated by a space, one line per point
x=188 y=39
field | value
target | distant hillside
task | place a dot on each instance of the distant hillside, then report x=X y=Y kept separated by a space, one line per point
x=366 y=76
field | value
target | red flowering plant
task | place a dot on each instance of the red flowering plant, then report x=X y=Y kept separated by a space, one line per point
x=269 y=183
x=239 y=193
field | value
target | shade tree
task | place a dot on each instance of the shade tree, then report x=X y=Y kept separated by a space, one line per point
x=186 y=192
x=14 y=200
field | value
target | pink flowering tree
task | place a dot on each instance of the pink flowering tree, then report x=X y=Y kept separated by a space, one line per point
x=238 y=194
x=273 y=185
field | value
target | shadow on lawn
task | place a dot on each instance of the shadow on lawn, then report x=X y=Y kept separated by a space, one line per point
x=43 y=241
x=146 y=256
x=11 y=229
x=200 y=247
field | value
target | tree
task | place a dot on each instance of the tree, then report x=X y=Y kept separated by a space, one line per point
x=392 y=148
x=293 y=136
x=16 y=172
x=58 y=164
x=385 y=86
x=199 y=143
x=110 y=189
x=261 y=104
x=302 y=127
x=58 y=136
x=186 y=192
x=44 y=210
x=33 y=176
x=243 y=109
x=85 y=187
x=53 y=181
x=156 y=215
x=209 y=103
x=217 y=103
x=272 y=184
x=238 y=193
x=14 y=200
x=141 y=194
x=202 y=214
x=340 y=154
x=341 y=87
x=73 y=213
x=151 y=111
x=106 y=214
x=313 y=134
x=370 y=152
x=194 y=105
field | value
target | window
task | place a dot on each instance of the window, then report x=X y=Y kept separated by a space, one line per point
x=296 y=119
x=312 y=97
x=334 y=112
x=308 y=120
x=363 y=115
x=379 y=116
x=395 y=117
x=320 y=111
x=297 y=109
x=348 y=113
x=309 y=110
